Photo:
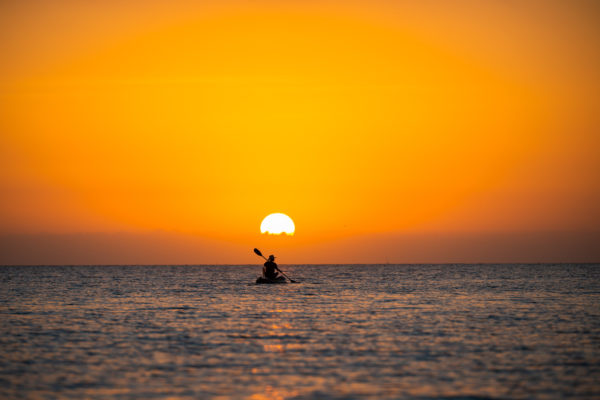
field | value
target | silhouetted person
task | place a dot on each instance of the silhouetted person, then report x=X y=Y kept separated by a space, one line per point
x=270 y=269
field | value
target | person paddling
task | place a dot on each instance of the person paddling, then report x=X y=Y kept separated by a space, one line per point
x=270 y=268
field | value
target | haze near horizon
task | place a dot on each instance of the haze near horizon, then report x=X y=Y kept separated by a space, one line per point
x=164 y=132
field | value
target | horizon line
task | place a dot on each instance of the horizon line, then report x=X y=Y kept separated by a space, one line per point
x=300 y=264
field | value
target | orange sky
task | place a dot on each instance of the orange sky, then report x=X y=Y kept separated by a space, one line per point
x=372 y=124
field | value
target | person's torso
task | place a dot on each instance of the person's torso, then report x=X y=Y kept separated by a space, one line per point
x=270 y=266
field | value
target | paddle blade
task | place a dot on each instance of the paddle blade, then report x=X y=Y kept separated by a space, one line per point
x=257 y=251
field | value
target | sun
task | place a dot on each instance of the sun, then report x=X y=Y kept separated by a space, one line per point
x=276 y=224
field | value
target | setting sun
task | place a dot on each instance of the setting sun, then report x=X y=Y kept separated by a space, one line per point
x=277 y=224
x=440 y=158
x=390 y=130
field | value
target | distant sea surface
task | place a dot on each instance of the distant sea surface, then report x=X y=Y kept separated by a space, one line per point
x=343 y=332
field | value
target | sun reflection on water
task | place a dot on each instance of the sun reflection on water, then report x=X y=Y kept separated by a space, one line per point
x=418 y=331
x=271 y=393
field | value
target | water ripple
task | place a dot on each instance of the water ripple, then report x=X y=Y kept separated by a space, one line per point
x=345 y=332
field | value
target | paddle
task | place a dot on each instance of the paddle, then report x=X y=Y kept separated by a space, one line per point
x=257 y=251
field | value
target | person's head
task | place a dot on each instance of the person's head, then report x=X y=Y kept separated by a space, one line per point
x=271 y=257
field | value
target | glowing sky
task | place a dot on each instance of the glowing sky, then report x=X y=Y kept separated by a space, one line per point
x=356 y=118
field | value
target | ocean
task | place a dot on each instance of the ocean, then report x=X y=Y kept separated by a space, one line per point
x=461 y=331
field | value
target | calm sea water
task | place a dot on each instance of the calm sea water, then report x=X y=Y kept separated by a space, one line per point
x=344 y=332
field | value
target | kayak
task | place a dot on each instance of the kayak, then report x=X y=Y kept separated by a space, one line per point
x=279 y=279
